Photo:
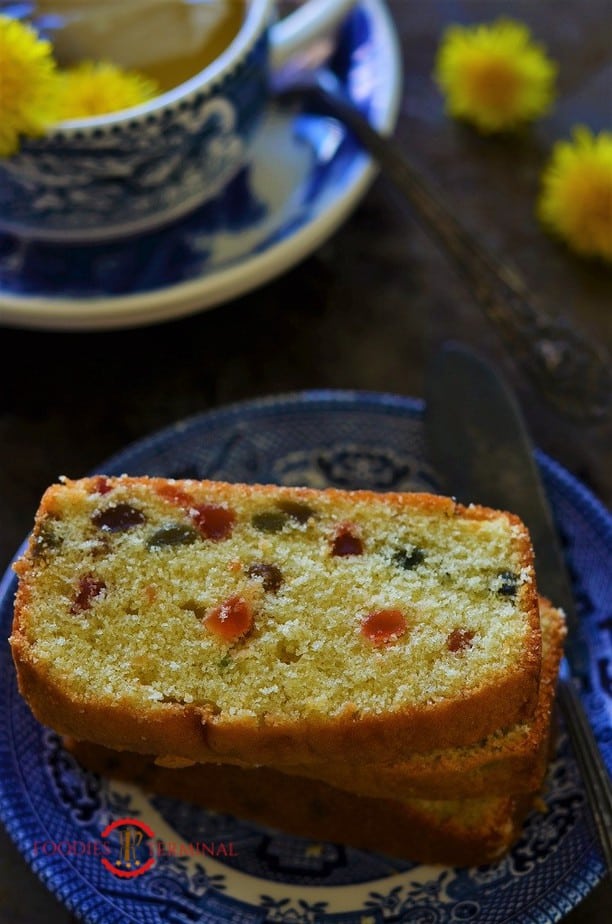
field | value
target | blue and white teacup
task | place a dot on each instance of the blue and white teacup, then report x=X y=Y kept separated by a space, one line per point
x=132 y=171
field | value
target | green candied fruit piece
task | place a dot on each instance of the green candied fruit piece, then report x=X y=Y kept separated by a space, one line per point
x=270 y=521
x=409 y=559
x=296 y=510
x=225 y=662
x=172 y=534
x=46 y=540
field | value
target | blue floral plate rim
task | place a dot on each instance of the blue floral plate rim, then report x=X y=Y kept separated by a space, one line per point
x=202 y=288
x=345 y=441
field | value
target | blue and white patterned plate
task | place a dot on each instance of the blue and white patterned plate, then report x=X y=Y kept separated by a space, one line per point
x=306 y=177
x=349 y=440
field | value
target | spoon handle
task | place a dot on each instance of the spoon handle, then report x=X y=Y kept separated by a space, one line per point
x=572 y=373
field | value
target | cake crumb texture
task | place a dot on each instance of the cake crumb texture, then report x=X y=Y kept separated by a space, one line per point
x=269 y=605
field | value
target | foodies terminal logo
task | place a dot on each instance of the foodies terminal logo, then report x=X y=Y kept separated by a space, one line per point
x=128 y=848
x=133 y=858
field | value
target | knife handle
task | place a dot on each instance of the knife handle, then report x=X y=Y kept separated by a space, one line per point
x=592 y=768
x=572 y=373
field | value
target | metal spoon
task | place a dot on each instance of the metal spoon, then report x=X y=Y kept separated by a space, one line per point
x=571 y=373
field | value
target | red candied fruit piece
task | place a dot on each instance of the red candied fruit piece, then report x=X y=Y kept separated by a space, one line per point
x=212 y=521
x=175 y=496
x=89 y=587
x=346 y=542
x=459 y=639
x=384 y=626
x=231 y=619
x=102 y=485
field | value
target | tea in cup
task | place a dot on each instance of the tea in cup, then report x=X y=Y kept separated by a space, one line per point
x=106 y=176
x=168 y=41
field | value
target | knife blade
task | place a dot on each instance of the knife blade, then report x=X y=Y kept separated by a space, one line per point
x=480 y=447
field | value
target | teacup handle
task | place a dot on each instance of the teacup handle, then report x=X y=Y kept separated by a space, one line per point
x=297 y=30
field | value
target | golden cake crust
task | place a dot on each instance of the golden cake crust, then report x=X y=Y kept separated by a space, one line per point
x=195 y=734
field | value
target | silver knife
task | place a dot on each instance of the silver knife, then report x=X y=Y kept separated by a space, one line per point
x=479 y=445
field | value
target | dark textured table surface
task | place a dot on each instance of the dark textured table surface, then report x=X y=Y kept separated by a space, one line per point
x=364 y=311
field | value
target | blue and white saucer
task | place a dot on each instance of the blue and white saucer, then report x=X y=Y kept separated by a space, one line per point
x=56 y=813
x=306 y=176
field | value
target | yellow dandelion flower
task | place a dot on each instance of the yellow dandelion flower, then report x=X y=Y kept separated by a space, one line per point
x=93 y=88
x=28 y=85
x=494 y=76
x=575 y=200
